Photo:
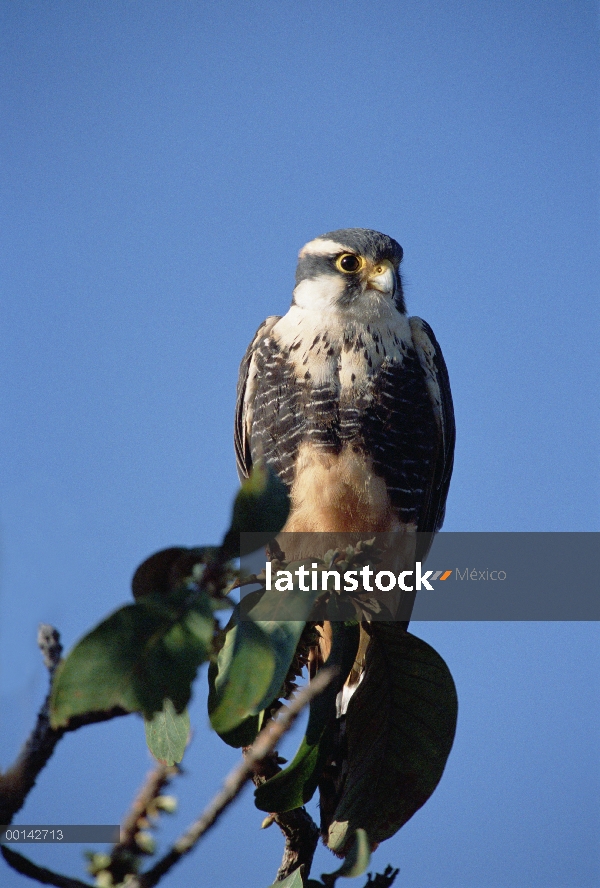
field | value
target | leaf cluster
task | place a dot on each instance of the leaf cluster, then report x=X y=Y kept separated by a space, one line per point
x=373 y=767
x=145 y=656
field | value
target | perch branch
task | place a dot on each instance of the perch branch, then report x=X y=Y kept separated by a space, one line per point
x=264 y=744
x=299 y=830
x=301 y=839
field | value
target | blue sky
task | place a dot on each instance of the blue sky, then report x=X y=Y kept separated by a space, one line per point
x=162 y=163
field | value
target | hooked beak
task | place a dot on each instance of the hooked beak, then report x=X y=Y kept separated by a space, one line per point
x=382 y=278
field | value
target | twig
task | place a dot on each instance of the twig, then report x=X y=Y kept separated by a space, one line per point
x=155 y=781
x=19 y=779
x=301 y=839
x=299 y=830
x=49 y=644
x=47 y=877
x=382 y=880
x=137 y=818
x=264 y=744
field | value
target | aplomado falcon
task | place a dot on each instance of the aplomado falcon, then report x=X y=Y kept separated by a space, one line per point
x=347 y=398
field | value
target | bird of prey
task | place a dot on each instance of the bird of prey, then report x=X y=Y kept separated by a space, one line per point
x=347 y=398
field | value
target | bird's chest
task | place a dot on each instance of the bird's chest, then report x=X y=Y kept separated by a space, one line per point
x=342 y=366
x=342 y=378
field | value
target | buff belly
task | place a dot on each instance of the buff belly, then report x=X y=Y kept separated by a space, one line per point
x=338 y=493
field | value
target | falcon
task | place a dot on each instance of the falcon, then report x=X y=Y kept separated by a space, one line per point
x=347 y=398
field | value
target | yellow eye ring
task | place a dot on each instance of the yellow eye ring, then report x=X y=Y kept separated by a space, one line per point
x=349 y=263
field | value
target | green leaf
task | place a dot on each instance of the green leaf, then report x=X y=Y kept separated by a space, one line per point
x=400 y=727
x=295 y=785
x=163 y=572
x=244 y=671
x=134 y=659
x=256 y=656
x=294 y=880
x=167 y=733
x=251 y=667
x=356 y=860
x=245 y=733
x=261 y=507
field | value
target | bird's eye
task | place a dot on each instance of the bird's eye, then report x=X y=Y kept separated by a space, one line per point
x=349 y=263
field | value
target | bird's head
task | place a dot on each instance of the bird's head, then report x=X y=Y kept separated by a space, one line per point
x=352 y=266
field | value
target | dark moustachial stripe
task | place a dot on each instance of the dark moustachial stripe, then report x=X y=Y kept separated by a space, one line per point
x=310 y=267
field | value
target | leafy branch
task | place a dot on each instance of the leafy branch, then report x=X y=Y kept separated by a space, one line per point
x=145 y=656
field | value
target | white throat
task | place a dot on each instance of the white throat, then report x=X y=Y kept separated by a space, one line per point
x=321 y=296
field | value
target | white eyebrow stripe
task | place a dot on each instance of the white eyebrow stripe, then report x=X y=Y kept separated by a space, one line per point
x=318 y=247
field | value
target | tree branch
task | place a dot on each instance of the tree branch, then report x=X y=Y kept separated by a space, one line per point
x=47 y=877
x=138 y=818
x=264 y=744
x=19 y=779
x=299 y=830
x=155 y=781
x=301 y=839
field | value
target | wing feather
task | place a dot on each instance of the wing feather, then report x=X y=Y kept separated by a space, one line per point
x=438 y=386
x=244 y=405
